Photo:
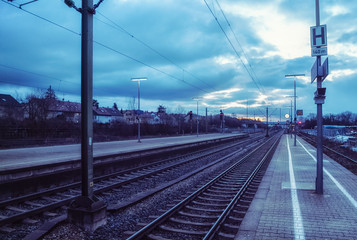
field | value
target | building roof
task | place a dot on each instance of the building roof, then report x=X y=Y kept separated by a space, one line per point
x=63 y=106
x=8 y=101
x=101 y=111
x=114 y=112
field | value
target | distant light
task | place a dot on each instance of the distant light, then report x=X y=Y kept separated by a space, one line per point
x=294 y=75
x=138 y=79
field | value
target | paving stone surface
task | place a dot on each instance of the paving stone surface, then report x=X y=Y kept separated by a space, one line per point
x=282 y=210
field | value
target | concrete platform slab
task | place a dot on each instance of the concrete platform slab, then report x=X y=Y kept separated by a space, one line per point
x=34 y=156
x=286 y=206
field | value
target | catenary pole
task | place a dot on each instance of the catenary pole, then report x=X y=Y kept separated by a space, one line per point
x=87 y=98
x=319 y=153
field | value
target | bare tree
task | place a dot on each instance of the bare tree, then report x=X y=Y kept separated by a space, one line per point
x=38 y=104
x=131 y=103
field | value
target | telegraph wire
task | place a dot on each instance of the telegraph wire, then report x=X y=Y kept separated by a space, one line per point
x=149 y=66
x=44 y=19
x=234 y=49
x=235 y=36
x=109 y=48
x=118 y=27
x=38 y=74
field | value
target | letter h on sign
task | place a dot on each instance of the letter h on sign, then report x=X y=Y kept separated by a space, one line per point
x=318 y=36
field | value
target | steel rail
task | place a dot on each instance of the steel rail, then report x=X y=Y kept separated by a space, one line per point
x=214 y=229
x=161 y=219
x=306 y=138
x=31 y=212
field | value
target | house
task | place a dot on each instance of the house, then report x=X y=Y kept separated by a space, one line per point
x=116 y=115
x=107 y=115
x=130 y=116
x=71 y=111
x=10 y=108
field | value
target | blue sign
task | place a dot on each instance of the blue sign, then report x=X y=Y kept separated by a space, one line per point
x=314 y=72
x=318 y=36
x=325 y=69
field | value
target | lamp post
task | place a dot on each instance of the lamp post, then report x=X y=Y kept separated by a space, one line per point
x=197 y=99
x=138 y=80
x=294 y=76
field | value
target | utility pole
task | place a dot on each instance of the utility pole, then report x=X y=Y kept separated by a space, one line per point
x=267 y=133
x=247 y=109
x=319 y=166
x=87 y=211
x=206 y=122
x=291 y=118
x=294 y=76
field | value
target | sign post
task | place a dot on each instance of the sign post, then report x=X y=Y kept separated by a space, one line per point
x=318 y=72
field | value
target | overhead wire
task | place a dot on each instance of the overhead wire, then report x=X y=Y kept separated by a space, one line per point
x=231 y=44
x=240 y=45
x=254 y=78
x=107 y=47
x=118 y=27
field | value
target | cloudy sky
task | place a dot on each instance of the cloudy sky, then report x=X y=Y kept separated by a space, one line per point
x=232 y=54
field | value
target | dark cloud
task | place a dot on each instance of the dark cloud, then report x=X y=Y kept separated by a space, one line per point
x=178 y=46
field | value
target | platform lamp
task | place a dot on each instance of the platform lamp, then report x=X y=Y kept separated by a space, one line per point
x=197 y=99
x=139 y=80
x=294 y=76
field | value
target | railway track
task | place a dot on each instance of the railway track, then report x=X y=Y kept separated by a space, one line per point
x=215 y=210
x=27 y=206
x=346 y=161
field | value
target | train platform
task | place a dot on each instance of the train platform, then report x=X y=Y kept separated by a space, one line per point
x=286 y=205
x=35 y=156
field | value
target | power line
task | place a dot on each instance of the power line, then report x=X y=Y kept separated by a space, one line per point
x=109 y=48
x=149 y=66
x=38 y=74
x=239 y=44
x=118 y=27
x=234 y=49
x=44 y=19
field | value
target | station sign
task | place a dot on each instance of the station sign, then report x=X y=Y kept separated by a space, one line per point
x=322 y=51
x=299 y=112
x=325 y=69
x=315 y=71
x=318 y=36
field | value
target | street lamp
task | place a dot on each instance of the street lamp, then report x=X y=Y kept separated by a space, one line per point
x=290 y=114
x=138 y=80
x=294 y=76
x=197 y=99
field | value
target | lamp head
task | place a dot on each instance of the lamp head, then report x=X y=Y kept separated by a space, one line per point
x=69 y=3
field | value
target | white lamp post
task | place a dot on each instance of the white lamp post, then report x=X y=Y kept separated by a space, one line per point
x=138 y=80
x=197 y=99
x=294 y=76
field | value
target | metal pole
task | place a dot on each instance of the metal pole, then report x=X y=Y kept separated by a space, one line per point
x=197 y=119
x=319 y=166
x=139 y=112
x=247 y=109
x=206 y=122
x=294 y=111
x=291 y=118
x=87 y=99
x=267 y=133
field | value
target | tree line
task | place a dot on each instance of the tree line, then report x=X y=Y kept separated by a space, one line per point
x=37 y=128
x=343 y=119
